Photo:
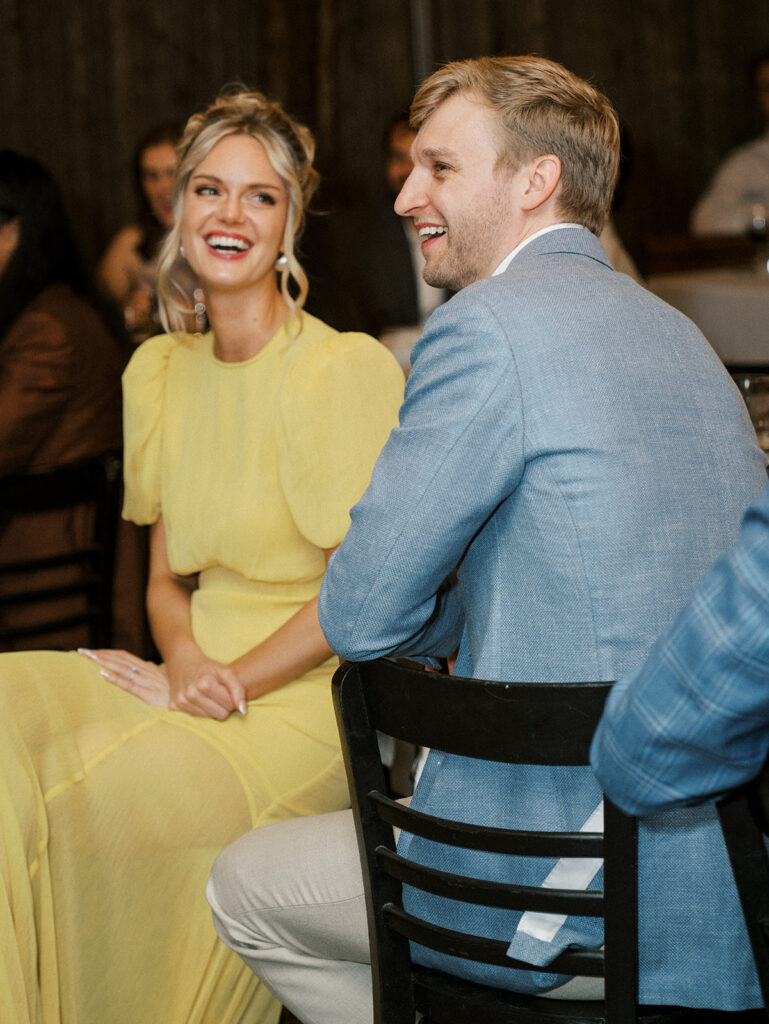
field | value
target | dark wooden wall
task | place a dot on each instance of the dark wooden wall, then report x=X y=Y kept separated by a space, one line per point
x=83 y=79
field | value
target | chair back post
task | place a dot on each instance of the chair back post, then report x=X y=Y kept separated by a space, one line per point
x=744 y=818
x=620 y=882
x=390 y=960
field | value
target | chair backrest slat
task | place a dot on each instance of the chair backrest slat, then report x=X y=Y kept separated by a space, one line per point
x=489 y=894
x=492 y=840
x=553 y=722
x=489 y=951
x=83 y=556
x=37 y=594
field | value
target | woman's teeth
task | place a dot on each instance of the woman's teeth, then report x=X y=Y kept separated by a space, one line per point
x=223 y=243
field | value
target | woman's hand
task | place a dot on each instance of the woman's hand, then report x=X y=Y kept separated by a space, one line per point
x=202 y=687
x=144 y=679
x=195 y=685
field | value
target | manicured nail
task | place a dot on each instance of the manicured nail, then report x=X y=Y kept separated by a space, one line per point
x=107 y=675
x=86 y=653
x=242 y=707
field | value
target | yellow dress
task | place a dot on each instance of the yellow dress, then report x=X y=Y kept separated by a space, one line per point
x=113 y=811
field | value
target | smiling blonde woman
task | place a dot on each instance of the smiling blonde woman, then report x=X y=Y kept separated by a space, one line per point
x=245 y=449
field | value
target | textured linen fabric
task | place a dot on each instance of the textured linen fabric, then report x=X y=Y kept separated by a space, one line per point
x=113 y=811
x=574 y=445
x=694 y=723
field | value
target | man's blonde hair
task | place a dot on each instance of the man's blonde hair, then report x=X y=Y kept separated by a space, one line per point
x=290 y=148
x=542 y=108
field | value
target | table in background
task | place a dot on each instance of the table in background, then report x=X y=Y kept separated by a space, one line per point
x=730 y=307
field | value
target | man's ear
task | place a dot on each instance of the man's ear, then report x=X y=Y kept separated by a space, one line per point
x=544 y=176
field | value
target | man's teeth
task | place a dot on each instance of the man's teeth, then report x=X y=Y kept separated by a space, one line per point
x=431 y=230
x=227 y=244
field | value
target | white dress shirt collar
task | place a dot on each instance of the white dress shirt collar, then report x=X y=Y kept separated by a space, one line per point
x=522 y=245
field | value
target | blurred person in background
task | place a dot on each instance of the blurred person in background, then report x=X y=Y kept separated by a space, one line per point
x=395 y=296
x=60 y=366
x=736 y=200
x=127 y=267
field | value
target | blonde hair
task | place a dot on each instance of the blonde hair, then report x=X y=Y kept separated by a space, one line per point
x=543 y=108
x=290 y=148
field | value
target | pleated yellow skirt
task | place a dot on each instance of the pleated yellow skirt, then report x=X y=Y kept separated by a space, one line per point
x=112 y=813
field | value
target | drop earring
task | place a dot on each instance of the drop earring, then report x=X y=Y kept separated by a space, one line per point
x=182 y=252
x=199 y=309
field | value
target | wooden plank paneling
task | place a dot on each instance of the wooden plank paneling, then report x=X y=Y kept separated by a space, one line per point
x=83 y=79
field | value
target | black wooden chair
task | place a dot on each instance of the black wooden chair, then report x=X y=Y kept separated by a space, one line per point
x=89 y=565
x=744 y=817
x=519 y=723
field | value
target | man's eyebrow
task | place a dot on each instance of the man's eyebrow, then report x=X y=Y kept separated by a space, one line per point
x=439 y=154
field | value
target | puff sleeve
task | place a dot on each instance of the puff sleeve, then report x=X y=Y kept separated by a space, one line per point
x=144 y=385
x=338 y=405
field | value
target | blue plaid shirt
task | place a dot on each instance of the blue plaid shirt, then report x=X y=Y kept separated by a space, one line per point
x=694 y=722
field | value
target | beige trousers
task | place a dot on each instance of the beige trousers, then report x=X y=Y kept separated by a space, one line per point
x=288 y=899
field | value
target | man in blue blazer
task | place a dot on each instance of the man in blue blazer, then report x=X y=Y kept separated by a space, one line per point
x=575 y=447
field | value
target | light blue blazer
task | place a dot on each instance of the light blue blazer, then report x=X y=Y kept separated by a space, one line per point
x=574 y=445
